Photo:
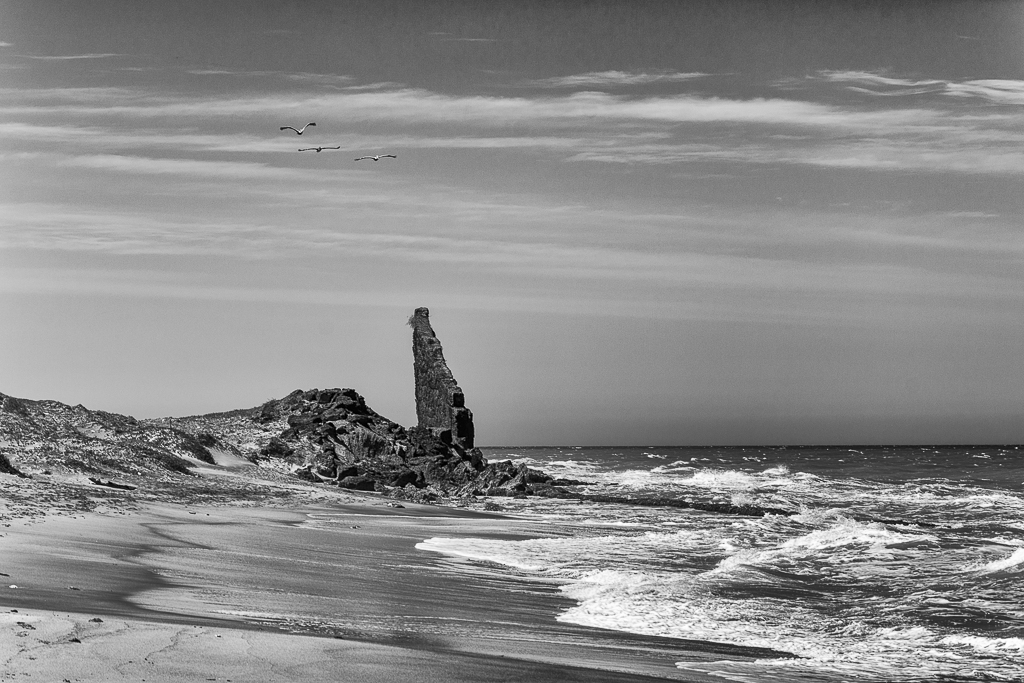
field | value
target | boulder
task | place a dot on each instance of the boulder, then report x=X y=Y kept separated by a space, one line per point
x=302 y=420
x=7 y=468
x=358 y=483
x=277 y=448
x=406 y=477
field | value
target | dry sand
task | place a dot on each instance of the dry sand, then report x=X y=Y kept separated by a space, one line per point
x=309 y=583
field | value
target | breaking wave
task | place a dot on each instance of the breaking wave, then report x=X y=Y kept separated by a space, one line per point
x=905 y=580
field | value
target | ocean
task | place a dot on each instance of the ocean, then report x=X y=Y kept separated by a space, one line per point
x=895 y=564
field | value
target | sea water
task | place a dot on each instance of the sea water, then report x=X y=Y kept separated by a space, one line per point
x=896 y=564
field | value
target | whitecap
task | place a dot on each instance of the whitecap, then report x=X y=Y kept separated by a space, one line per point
x=986 y=644
x=820 y=544
x=1013 y=562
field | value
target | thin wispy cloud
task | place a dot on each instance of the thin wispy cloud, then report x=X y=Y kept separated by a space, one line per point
x=451 y=37
x=604 y=127
x=195 y=168
x=91 y=55
x=869 y=78
x=298 y=76
x=97 y=96
x=534 y=259
x=106 y=138
x=325 y=79
x=1003 y=91
x=613 y=78
x=703 y=292
x=998 y=91
x=880 y=155
x=422 y=106
x=870 y=241
x=147 y=285
x=221 y=72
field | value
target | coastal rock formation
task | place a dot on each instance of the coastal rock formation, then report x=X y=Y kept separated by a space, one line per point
x=332 y=436
x=440 y=403
x=327 y=436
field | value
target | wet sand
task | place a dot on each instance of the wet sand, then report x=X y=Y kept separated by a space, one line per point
x=330 y=590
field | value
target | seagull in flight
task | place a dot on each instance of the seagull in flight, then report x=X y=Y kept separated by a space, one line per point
x=378 y=157
x=298 y=130
x=316 y=149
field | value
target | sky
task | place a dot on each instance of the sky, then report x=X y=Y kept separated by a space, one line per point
x=634 y=223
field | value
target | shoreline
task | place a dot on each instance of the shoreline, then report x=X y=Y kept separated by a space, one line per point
x=337 y=575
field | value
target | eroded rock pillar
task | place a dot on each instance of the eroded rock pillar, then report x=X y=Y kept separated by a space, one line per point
x=440 y=403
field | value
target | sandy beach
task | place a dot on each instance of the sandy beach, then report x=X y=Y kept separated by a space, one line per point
x=287 y=582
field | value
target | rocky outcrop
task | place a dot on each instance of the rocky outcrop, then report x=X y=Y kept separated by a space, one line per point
x=322 y=435
x=332 y=436
x=440 y=403
x=327 y=436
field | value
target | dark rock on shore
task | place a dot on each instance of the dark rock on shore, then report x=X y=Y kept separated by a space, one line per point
x=112 y=484
x=358 y=483
x=7 y=468
x=570 y=482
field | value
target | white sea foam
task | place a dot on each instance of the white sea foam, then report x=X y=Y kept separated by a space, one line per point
x=819 y=584
x=819 y=516
x=613 y=590
x=491 y=550
x=742 y=498
x=569 y=557
x=1012 y=563
x=681 y=465
x=820 y=545
x=681 y=476
x=986 y=644
x=685 y=607
x=611 y=523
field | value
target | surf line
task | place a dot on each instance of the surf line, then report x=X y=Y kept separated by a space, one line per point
x=725 y=508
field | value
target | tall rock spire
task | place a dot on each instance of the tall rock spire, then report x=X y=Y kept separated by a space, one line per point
x=440 y=403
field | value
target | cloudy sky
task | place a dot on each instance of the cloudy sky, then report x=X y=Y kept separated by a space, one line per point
x=633 y=222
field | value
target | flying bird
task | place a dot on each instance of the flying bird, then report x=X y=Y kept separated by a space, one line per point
x=378 y=157
x=316 y=149
x=298 y=130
